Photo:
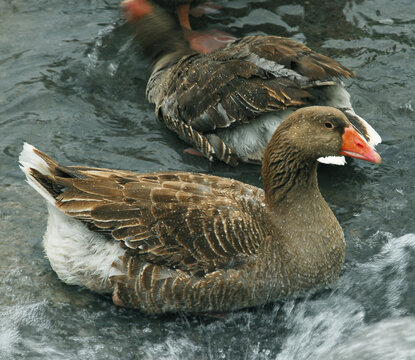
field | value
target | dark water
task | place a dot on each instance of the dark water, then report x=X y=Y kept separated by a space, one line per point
x=73 y=84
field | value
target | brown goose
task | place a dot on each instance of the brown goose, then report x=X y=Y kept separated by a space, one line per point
x=168 y=242
x=227 y=104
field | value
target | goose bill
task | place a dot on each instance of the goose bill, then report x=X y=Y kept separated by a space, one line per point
x=354 y=145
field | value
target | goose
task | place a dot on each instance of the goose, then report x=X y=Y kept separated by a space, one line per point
x=170 y=242
x=228 y=103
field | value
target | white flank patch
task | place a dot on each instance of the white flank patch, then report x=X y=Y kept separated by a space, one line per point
x=337 y=97
x=249 y=140
x=79 y=256
x=273 y=67
x=223 y=113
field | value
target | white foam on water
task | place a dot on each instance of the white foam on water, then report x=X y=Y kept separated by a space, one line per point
x=171 y=349
x=390 y=339
x=13 y=319
x=318 y=326
x=93 y=55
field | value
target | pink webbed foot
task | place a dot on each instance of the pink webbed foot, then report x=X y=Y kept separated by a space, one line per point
x=207 y=41
x=117 y=301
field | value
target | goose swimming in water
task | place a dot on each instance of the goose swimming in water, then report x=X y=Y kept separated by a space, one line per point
x=178 y=241
x=228 y=103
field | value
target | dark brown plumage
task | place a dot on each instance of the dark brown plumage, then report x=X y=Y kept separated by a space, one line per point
x=197 y=242
x=174 y=3
x=207 y=99
x=182 y=8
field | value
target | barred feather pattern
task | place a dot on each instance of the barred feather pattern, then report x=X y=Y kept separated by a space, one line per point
x=185 y=235
x=143 y=211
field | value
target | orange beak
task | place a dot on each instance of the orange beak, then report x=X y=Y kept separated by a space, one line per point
x=354 y=145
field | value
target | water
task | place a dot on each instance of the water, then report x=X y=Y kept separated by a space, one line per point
x=73 y=84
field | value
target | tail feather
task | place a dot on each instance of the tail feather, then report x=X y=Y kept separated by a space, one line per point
x=33 y=165
x=30 y=157
x=40 y=171
x=372 y=137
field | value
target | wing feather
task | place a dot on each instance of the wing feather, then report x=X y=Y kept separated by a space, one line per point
x=194 y=223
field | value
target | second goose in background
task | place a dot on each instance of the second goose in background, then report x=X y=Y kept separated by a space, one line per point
x=228 y=103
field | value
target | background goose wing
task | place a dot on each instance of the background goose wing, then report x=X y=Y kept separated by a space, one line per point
x=252 y=76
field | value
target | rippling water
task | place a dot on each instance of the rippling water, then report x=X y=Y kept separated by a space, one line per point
x=72 y=82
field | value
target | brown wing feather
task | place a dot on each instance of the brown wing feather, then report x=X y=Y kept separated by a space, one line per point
x=190 y=222
x=295 y=56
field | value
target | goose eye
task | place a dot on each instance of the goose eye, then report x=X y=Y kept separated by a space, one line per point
x=328 y=125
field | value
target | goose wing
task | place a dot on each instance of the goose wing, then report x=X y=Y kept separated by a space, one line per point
x=251 y=77
x=190 y=222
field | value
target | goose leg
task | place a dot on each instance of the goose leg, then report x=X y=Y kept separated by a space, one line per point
x=183 y=13
x=116 y=300
x=203 y=42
